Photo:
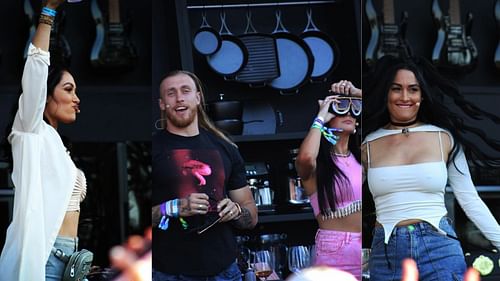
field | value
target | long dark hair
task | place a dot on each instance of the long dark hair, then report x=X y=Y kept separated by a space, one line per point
x=203 y=119
x=439 y=94
x=330 y=175
x=55 y=74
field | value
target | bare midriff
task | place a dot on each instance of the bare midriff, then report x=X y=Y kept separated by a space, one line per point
x=350 y=223
x=403 y=222
x=69 y=226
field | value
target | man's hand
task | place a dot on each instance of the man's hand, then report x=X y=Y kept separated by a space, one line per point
x=194 y=204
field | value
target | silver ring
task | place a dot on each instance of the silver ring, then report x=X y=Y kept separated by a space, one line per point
x=230 y=212
x=200 y=206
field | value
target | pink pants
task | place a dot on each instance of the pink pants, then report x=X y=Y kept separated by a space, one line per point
x=339 y=249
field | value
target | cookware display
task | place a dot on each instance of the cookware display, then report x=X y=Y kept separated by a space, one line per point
x=262 y=65
x=323 y=48
x=295 y=59
x=207 y=40
x=232 y=55
x=280 y=60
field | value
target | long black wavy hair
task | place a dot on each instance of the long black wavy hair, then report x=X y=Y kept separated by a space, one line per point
x=55 y=74
x=443 y=105
x=329 y=175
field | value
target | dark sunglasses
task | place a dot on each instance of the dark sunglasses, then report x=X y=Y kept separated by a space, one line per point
x=344 y=104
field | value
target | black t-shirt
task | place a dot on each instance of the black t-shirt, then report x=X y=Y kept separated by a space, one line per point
x=181 y=166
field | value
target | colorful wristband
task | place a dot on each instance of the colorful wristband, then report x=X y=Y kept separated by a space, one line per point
x=49 y=12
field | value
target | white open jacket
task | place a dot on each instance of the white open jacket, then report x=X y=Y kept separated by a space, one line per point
x=43 y=174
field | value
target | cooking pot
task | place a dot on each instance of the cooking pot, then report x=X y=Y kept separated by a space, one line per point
x=230 y=126
x=222 y=110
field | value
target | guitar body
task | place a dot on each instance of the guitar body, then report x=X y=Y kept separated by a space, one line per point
x=30 y=14
x=111 y=48
x=371 y=49
x=386 y=38
x=454 y=49
x=60 y=51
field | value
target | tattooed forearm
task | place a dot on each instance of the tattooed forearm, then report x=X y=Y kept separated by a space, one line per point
x=245 y=220
x=156 y=215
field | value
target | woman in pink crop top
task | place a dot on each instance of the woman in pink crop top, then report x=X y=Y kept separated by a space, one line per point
x=329 y=166
x=414 y=146
x=48 y=186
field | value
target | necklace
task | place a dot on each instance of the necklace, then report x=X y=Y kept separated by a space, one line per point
x=406 y=130
x=341 y=157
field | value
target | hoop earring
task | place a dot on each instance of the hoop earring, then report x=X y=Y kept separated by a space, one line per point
x=159 y=127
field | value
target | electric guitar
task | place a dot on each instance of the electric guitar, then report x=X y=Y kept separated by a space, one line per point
x=454 y=49
x=30 y=14
x=112 y=48
x=497 y=17
x=60 y=51
x=387 y=38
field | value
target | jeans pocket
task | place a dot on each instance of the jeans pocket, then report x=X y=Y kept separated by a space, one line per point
x=330 y=246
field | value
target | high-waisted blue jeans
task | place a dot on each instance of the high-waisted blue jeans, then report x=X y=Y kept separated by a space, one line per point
x=438 y=256
x=54 y=268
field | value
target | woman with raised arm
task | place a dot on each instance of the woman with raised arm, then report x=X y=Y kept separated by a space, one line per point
x=48 y=186
x=329 y=166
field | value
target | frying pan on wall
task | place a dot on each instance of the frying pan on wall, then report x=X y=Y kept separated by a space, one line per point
x=295 y=60
x=323 y=48
x=262 y=65
x=232 y=55
x=206 y=40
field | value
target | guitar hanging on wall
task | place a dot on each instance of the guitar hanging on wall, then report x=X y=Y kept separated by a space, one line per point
x=112 y=48
x=387 y=38
x=497 y=18
x=60 y=51
x=454 y=49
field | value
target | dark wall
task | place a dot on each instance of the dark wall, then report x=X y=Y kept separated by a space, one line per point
x=115 y=106
x=482 y=85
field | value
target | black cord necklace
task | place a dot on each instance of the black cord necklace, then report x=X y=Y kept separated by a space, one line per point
x=406 y=130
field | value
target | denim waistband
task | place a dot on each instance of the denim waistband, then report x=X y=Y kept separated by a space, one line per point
x=66 y=242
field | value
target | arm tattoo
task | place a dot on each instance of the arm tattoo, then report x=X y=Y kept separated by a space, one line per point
x=245 y=220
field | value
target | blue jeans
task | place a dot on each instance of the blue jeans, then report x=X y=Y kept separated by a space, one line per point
x=54 y=268
x=438 y=256
x=232 y=273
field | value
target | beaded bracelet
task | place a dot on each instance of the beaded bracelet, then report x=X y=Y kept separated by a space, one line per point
x=48 y=20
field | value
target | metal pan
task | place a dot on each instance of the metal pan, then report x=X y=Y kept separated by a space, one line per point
x=207 y=40
x=262 y=65
x=295 y=60
x=324 y=49
x=232 y=56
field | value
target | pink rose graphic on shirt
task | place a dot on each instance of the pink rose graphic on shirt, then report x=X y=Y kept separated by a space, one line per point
x=197 y=169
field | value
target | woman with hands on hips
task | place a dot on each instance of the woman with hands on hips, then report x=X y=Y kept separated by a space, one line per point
x=329 y=166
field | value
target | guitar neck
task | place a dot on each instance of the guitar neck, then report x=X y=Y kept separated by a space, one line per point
x=455 y=11
x=389 y=12
x=114 y=11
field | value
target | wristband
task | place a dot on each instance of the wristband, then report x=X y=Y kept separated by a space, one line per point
x=49 y=12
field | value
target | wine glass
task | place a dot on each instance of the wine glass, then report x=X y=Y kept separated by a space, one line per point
x=298 y=258
x=365 y=263
x=261 y=264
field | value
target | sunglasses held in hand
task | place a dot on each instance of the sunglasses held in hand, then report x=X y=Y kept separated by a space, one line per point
x=345 y=104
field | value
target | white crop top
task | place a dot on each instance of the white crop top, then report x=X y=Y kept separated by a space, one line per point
x=416 y=191
x=79 y=192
